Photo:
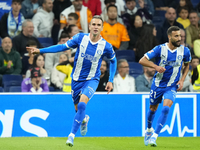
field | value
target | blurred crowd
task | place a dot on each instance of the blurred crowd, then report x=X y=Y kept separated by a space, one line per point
x=129 y=25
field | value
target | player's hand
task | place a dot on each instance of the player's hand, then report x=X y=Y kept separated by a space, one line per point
x=109 y=87
x=180 y=83
x=160 y=69
x=33 y=50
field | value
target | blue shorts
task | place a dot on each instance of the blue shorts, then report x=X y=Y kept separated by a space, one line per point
x=157 y=94
x=87 y=88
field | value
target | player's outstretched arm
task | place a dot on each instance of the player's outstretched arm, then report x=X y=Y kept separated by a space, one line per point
x=51 y=49
x=145 y=62
x=33 y=50
x=181 y=81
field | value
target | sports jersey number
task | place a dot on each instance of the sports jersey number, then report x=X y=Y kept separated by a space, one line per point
x=153 y=94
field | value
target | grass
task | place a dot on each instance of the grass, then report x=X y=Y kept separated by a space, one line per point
x=98 y=143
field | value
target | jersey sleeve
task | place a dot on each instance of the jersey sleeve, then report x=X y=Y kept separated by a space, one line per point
x=187 y=55
x=63 y=19
x=110 y=52
x=155 y=52
x=73 y=42
x=125 y=36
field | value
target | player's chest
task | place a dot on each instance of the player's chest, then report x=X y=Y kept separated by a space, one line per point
x=171 y=58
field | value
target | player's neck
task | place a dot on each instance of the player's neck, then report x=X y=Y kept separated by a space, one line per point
x=171 y=46
x=95 y=38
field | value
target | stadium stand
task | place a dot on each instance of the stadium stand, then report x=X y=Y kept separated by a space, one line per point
x=1 y=89
x=11 y=80
x=15 y=89
x=129 y=55
x=135 y=69
x=51 y=89
x=46 y=41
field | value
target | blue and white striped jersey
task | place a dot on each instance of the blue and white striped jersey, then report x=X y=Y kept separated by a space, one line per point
x=88 y=57
x=171 y=60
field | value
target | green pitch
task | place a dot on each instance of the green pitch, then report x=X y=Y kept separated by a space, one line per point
x=98 y=143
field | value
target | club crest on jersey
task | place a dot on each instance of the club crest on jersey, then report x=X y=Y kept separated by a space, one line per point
x=99 y=51
x=179 y=57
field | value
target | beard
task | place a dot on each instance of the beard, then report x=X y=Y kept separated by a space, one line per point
x=112 y=19
x=175 y=43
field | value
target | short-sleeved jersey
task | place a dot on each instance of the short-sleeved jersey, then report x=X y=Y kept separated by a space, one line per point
x=88 y=57
x=63 y=19
x=115 y=34
x=171 y=60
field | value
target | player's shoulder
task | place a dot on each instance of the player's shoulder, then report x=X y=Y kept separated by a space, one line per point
x=120 y=25
x=107 y=45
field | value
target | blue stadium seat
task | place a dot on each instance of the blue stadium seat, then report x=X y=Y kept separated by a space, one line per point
x=195 y=3
x=160 y=13
x=51 y=89
x=0 y=42
x=129 y=55
x=11 y=80
x=15 y=89
x=1 y=89
x=46 y=41
x=135 y=69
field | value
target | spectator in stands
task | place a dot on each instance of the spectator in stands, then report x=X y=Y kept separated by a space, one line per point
x=130 y=9
x=52 y=58
x=43 y=20
x=183 y=17
x=114 y=32
x=71 y=30
x=72 y=21
x=193 y=33
x=183 y=41
x=148 y=4
x=195 y=79
x=146 y=41
x=187 y=85
x=66 y=68
x=27 y=59
x=170 y=20
x=144 y=13
x=35 y=83
x=123 y=82
x=59 y=6
x=94 y=6
x=193 y=64
x=5 y=7
x=29 y=8
x=104 y=14
x=135 y=30
x=11 y=23
x=143 y=82
x=165 y=4
x=38 y=61
x=85 y=15
x=57 y=77
x=198 y=10
x=10 y=62
x=21 y=40
x=104 y=76
x=185 y=3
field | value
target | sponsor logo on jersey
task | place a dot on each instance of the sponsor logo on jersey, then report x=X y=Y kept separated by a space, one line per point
x=89 y=57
